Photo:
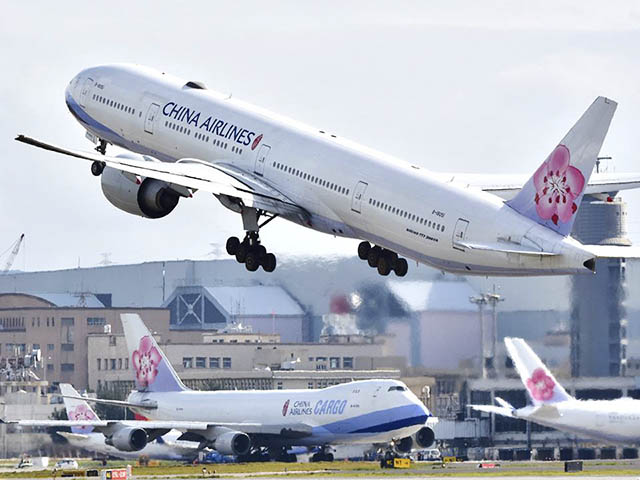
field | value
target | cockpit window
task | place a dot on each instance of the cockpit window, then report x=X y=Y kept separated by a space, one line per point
x=397 y=388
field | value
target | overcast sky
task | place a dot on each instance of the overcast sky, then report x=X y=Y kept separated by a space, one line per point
x=453 y=86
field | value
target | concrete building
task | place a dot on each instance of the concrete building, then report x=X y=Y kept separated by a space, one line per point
x=58 y=325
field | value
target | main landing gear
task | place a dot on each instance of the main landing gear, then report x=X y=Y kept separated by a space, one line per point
x=382 y=259
x=324 y=455
x=250 y=251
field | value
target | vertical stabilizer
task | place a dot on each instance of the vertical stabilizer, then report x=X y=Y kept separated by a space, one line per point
x=543 y=388
x=553 y=194
x=152 y=371
x=77 y=409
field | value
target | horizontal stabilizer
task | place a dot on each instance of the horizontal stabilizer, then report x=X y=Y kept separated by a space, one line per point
x=503 y=403
x=507 y=412
x=116 y=403
x=613 y=251
x=504 y=247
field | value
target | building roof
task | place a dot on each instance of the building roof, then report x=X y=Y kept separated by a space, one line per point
x=83 y=300
x=421 y=296
x=255 y=300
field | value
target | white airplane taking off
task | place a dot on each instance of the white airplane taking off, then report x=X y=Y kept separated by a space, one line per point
x=610 y=420
x=260 y=165
x=166 y=447
x=244 y=423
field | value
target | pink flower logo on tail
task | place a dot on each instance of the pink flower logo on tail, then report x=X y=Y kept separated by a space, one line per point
x=557 y=184
x=80 y=412
x=540 y=385
x=145 y=362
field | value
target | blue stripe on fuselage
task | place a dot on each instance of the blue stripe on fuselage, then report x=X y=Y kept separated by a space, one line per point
x=378 y=421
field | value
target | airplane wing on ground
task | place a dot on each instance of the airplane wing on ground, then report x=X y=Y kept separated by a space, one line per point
x=223 y=180
x=506 y=186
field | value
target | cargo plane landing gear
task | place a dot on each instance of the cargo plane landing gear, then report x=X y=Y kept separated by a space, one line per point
x=382 y=259
x=250 y=251
x=98 y=167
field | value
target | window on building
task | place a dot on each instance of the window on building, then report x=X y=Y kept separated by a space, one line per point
x=279 y=386
x=113 y=364
x=126 y=364
x=49 y=367
x=119 y=364
x=99 y=364
x=67 y=321
x=347 y=362
x=96 y=321
x=310 y=385
x=201 y=362
x=67 y=367
x=214 y=362
x=66 y=347
x=36 y=346
x=112 y=341
x=226 y=362
x=105 y=363
x=334 y=362
x=187 y=362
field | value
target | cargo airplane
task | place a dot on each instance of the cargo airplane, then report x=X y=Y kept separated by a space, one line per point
x=248 y=423
x=184 y=137
x=608 y=420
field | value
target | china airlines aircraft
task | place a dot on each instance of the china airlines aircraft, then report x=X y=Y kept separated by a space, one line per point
x=245 y=423
x=167 y=447
x=185 y=137
x=609 y=420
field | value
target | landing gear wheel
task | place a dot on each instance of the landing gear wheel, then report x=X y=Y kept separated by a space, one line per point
x=241 y=253
x=401 y=267
x=252 y=261
x=373 y=256
x=328 y=457
x=363 y=250
x=232 y=245
x=97 y=168
x=269 y=262
x=261 y=251
x=384 y=265
x=317 y=457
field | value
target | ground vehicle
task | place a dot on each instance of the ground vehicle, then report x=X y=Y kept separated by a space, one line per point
x=24 y=463
x=66 y=463
x=428 y=454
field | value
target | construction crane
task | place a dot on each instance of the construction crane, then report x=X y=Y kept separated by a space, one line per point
x=15 y=248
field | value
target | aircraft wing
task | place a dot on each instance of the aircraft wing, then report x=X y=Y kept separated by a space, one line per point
x=506 y=186
x=219 y=179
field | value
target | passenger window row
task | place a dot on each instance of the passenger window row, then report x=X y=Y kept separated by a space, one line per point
x=404 y=214
x=177 y=128
x=237 y=150
x=112 y=103
x=311 y=178
x=200 y=136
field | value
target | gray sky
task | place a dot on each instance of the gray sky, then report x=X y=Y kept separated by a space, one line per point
x=470 y=86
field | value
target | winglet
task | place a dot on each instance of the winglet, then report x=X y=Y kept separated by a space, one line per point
x=553 y=194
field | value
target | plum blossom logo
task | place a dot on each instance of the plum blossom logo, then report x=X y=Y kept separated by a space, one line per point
x=540 y=385
x=81 y=412
x=557 y=185
x=145 y=362
x=256 y=141
x=285 y=407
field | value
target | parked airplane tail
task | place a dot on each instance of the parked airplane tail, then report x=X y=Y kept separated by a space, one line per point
x=77 y=409
x=543 y=388
x=553 y=194
x=152 y=370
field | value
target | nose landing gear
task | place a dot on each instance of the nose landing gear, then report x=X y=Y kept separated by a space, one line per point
x=382 y=259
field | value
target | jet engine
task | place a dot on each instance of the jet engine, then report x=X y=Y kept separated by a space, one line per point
x=423 y=438
x=232 y=443
x=128 y=439
x=147 y=197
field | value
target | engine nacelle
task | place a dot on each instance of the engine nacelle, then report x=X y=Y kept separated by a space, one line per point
x=149 y=198
x=128 y=439
x=424 y=437
x=404 y=445
x=232 y=443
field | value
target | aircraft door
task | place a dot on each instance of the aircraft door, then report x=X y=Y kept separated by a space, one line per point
x=150 y=119
x=459 y=233
x=84 y=92
x=261 y=159
x=358 y=194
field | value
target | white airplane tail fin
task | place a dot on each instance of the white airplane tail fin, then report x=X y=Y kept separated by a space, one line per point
x=543 y=388
x=152 y=370
x=77 y=409
x=553 y=194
